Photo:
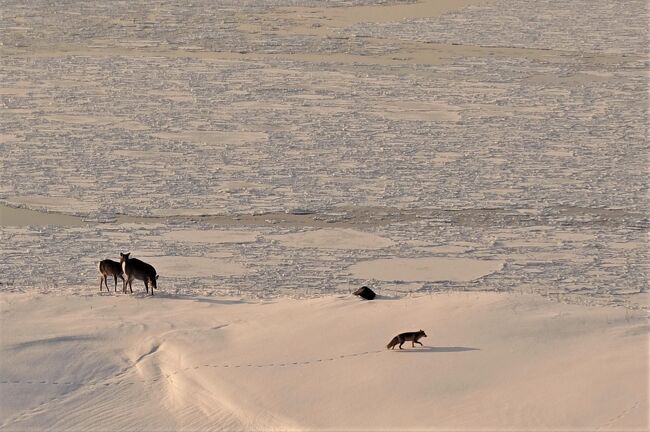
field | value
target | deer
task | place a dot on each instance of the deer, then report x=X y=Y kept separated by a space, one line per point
x=135 y=269
x=109 y=268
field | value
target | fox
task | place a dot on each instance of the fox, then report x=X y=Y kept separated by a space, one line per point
x=109 y=268
x=135 y=269
x=414 y=337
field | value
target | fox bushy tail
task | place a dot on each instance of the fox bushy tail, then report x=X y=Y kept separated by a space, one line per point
x=394 y=341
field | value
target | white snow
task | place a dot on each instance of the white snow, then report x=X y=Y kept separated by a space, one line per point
x=490 y=361
x=425 y=269
x=268 y=158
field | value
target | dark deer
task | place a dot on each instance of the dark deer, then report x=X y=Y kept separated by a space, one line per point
x=109 y=268
x=135 y=269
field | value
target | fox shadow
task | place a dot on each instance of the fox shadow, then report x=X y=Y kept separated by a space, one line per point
x=433 y=349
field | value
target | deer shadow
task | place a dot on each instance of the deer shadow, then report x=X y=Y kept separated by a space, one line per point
x=210 y=300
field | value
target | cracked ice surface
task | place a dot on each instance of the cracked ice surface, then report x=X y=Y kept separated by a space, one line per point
x=544 y=156
x=317 y=136
x=585 y=259
x=578 y=25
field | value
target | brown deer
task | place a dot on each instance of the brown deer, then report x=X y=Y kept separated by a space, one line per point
x=109 y=268
x=135 y=269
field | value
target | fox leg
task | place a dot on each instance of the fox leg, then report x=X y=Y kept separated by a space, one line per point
x=418 y=343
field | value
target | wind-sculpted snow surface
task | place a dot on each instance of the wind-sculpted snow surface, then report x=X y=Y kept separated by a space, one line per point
x=532 y=153
x=172 y=362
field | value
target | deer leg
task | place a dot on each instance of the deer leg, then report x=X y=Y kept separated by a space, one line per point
x=146 y=285
x=100 y=283
x=131 y=285
x=115 y=290
x=127 y=282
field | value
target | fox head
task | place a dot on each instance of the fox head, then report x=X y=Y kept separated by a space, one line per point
x=422 y=333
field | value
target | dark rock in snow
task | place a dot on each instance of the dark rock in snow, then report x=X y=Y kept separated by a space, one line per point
x=365 y=292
